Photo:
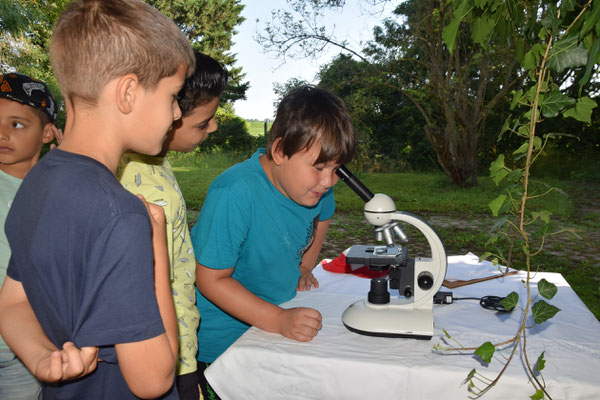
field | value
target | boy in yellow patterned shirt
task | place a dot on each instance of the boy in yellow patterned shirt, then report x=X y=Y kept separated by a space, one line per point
x=152 y=177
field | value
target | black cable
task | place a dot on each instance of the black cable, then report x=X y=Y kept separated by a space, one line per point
x=487 y=302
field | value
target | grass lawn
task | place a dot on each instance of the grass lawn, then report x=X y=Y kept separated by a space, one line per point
x=257 y=128
x=461 y=216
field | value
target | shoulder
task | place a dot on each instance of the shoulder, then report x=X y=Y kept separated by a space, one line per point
x=71 y=181
x=240 y=178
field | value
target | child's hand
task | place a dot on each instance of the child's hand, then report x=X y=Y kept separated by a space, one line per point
x=301 y=324
x=156 y=213
x=67 y=364
x=306 y=280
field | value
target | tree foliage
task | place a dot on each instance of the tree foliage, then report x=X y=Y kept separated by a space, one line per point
x=210 y=26
x=27 y=28
x=388 y=125
x=456 y=85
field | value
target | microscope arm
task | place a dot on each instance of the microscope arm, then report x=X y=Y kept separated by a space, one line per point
x=433 y=268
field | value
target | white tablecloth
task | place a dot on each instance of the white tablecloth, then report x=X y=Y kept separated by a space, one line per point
x=339 y=364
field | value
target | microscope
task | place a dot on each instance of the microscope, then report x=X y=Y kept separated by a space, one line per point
x=417 y=280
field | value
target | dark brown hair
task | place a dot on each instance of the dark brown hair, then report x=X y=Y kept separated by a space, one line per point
x=310 y=114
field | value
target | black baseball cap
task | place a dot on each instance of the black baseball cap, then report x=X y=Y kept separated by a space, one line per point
x=23 y=89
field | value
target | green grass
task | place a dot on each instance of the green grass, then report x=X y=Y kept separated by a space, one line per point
x=257 y=128
x=433 y=192
x=413 y=192
x=425 y=194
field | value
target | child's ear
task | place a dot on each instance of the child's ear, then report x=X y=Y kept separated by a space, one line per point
x=128 y=87
x=277 y=152
x=48 y=132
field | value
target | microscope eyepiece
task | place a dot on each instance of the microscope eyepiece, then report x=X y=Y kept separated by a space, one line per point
x=355 y=184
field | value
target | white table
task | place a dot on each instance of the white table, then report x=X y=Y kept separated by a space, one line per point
x=339 y=364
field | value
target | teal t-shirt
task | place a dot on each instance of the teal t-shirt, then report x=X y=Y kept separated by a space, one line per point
x=248 y=224
x=8 y=188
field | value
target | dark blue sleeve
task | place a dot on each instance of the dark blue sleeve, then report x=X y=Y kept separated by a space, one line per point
x=119 y=303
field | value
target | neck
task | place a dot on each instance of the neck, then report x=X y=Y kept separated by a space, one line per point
x=270 y=170
x=18 y=170
x=88 y=134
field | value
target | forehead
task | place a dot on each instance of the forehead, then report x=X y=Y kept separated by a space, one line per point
x=311 y=154
x=11 y=108
x=203 y=111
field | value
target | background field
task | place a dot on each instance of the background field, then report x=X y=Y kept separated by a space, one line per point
x=461 y=216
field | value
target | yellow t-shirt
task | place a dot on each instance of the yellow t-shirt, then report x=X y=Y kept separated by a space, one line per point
x=153 y=178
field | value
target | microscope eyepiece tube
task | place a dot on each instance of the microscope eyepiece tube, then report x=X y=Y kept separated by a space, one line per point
x=355 y=184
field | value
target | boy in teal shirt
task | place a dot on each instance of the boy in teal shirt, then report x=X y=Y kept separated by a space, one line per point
x=262 y=225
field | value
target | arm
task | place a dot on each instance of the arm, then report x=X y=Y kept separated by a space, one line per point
x=309 y=259
x=22 y=332
x=231 y=296
x=148 y=366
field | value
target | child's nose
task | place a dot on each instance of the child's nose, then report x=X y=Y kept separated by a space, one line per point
x=176 y=112
x=328 y=178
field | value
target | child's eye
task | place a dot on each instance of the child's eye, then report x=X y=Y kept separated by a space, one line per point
x=203 y=126
x=18 y=125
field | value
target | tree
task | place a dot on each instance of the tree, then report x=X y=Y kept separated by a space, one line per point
x=282 y=89
x=210 y=26
x=27 y=27
x=386 y=122
x=454 y=93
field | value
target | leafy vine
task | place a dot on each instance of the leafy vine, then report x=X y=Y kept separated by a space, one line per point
x=558 y=46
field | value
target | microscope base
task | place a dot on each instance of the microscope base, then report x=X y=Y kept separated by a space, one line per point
x=389 y=320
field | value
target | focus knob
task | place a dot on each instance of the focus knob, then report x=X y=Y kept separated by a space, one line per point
x=425 y=280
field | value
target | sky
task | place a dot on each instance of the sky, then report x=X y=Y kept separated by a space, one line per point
x=262 y=70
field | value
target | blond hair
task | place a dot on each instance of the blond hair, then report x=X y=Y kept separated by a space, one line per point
x=96 y=41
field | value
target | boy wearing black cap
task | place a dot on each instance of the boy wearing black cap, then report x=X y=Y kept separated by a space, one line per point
x=27 y=117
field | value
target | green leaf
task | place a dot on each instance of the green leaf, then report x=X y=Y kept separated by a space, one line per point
x=543 y=311
x=538 y=395
x=567 y=5
x=497 y=169
x=544 y=215
x=529 y=60
x=485 y=352
x=484 y=256
x=516 y=98
x=595 y=50
x=497 y=165
x=554 y=102
x=547 y=289
x=567 y=54
x=522 y=149
x=540 y=363
x=510 y=301
x=550 y=20
x=480 y=30
x=470 y=376
x=451 y=30
x=582 y=110
x=496 y=204
x=591 y=18
x=447 y=334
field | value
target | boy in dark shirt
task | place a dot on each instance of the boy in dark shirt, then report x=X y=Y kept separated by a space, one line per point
x=86 y=257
